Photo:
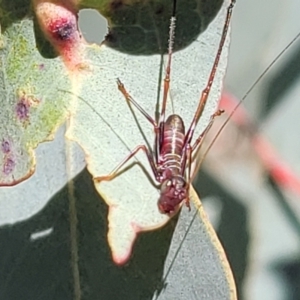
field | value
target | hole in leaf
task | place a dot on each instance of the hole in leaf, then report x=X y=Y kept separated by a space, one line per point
x=92 y=26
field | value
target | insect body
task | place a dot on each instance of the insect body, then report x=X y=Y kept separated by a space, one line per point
x=171 y=157
x=174 y=188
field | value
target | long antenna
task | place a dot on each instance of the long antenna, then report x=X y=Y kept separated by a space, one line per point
x=206 y=91
x=169 y=63
x=254 y=84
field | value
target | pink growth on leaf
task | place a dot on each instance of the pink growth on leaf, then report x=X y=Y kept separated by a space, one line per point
x=58 y=21
x=8 y=161
x=5 y=146
x=22 y=110
x=26 y=100
x=8 y=165
x=62 y=29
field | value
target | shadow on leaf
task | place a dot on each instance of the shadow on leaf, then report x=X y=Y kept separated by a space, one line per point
x=41 y=268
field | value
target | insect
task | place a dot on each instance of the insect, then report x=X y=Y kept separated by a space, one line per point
x=172 y=153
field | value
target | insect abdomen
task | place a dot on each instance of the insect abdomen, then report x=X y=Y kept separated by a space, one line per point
x=172 y=144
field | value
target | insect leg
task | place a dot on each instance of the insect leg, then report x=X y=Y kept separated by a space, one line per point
x=196 y=147
x=187 y=157
x=127 y=96
x=114 y=173
x=189 y=152
x=205 y=92
x=199 y=140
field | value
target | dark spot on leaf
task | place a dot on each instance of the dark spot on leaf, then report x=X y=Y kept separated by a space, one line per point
x=8 y=166
x=62 y=29
x=65 y=31
x=159 y=10
x=116 y=4
x=5 y=146
x=22 y=110
x=41 y=66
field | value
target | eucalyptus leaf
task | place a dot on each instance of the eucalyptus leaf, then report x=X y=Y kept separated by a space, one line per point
x=32 y=104
x=105 y=127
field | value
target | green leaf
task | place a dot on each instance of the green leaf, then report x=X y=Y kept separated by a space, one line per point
x=32 y=105
x=142 y=27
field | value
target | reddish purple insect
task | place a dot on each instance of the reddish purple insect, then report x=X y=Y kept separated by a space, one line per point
x=171 y=157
